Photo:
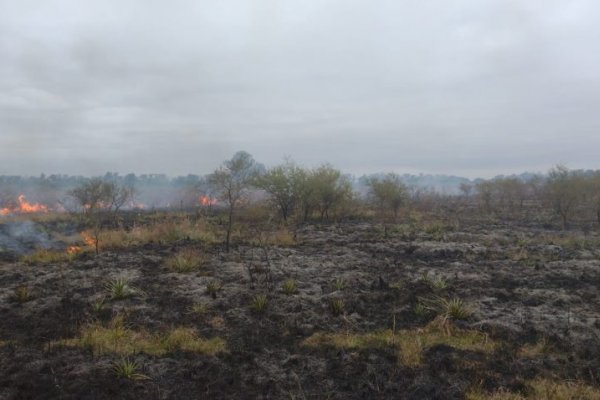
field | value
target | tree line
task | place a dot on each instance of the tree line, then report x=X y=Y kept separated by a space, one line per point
x=324 y=192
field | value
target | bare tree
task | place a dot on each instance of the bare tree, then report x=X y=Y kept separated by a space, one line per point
x=563 y=191
x=96 y=196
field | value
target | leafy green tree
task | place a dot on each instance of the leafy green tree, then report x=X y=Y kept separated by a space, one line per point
x=324 y=189
x=284 y=185
x=388 y=193
x=231 y=183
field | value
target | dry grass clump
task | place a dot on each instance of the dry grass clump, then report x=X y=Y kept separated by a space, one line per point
x=260 y=303
x=163 y=232
x=542 y=388
x=539 y=348
x=22 y=294
x=213 y=288
x=197 y=309
x=118 y=339
x=448 y=309
x=409 y=343
x=280 y=237
x=186 y=261
x=187 y=339
x=336 y=306
x=289 y=287
x=48 y=257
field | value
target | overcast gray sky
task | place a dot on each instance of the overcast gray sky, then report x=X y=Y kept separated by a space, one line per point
x=469 y=87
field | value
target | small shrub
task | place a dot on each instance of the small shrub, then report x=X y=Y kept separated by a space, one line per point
x=22 y=294
x=337 y=306
x=456 y=309
x=128 y=369
x=398 y=285
x=186 y=261
x=448 y=309
x=197 y=308
x=439 y=283
x=119 y=288
x=98 y=306
x=290 y=287
x=434 y=282
x=259 y=303
x=212 y=288
x=436 y=230
x=425 y=278
x=420 y=310
x=340 y=284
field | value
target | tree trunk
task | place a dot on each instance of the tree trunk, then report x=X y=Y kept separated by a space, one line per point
x=229 y=227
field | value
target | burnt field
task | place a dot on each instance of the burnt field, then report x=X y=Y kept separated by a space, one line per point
x=424 y=309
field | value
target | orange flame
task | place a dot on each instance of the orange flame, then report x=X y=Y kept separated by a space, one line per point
x=88 y=239
x=73 y=249
x=206 y=201
x=24 y=207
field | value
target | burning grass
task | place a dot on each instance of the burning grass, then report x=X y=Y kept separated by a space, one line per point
x=409 y=343
x=52 y=256
x=116 y=338
x=22 y=206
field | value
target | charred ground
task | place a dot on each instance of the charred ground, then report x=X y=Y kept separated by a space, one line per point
x=337 y=310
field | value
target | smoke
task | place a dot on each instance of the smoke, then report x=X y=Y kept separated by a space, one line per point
x=23 y=237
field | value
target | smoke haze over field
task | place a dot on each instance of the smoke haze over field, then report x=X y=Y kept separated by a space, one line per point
x=471 y=87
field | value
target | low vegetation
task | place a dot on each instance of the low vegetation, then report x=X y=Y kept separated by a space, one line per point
x=186 y=261
x=289 y=287
x=22 y=294
x=49 y=257
x=120 y=288
x=128 y=369
x=260 y=303
x=409 y=344
x=541 y=388
x=116 y=338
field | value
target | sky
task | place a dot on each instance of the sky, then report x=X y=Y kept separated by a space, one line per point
x=467 y=87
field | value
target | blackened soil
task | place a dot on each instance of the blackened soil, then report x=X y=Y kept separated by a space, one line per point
x=521 y=293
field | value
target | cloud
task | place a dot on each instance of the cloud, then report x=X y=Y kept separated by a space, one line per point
x=476 y=87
